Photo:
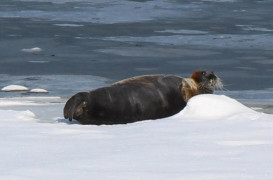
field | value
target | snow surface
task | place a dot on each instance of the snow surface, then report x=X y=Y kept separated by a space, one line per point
x=214 y=137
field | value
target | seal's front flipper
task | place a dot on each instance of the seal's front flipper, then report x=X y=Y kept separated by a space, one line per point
x=79 y=110
x=74 y=107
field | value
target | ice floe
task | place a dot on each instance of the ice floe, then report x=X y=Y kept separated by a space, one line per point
x=214 y=137
x=38 y=91
x=10 y=88
x=32 y=50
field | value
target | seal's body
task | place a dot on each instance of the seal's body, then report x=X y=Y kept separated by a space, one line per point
x=138 y=98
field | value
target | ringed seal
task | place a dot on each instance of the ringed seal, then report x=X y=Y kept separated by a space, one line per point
x=139 y=98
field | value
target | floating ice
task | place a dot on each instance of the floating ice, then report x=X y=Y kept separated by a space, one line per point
x=254 y=28
x=38 y=91
x=261 y=41
x=55 y=84
x=69 y=25
x=40 y=62
x=183 y=31
x=219 y=0
x=32 y=50
x=10 y=88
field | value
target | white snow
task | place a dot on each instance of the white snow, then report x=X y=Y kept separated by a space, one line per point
x=14 y=88
x=32 y=50
x=214 y=137
x=211 y=107
x=7 y=115
x=38 y=90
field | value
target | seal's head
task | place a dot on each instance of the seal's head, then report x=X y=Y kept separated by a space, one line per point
x=207 y=81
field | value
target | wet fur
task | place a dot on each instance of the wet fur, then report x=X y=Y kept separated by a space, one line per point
x=138 y=98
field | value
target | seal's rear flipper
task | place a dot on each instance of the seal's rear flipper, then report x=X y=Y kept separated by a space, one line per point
x=74 y=107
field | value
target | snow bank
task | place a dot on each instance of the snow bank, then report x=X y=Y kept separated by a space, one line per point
x=211 y=107
x=214 y=137
x=10 y=115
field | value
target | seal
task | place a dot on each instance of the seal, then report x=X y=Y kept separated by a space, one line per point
x=139 y=98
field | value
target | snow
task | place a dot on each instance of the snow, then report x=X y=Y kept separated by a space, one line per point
x=211 y=107
x=14 y=88
x=214 y=137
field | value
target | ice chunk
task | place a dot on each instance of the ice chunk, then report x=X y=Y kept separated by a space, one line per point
x=10 y=88
x=32 y=50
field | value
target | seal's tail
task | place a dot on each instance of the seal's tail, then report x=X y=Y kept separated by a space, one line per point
x=74 y=107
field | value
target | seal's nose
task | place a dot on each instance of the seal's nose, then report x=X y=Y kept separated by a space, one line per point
x=211 y=75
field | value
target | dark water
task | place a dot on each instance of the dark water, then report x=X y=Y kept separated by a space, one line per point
x=119 y=39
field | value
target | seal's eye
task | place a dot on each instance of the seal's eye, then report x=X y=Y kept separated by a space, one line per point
x=203 y=72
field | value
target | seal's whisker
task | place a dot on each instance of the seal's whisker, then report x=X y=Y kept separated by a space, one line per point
x=219 y=83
